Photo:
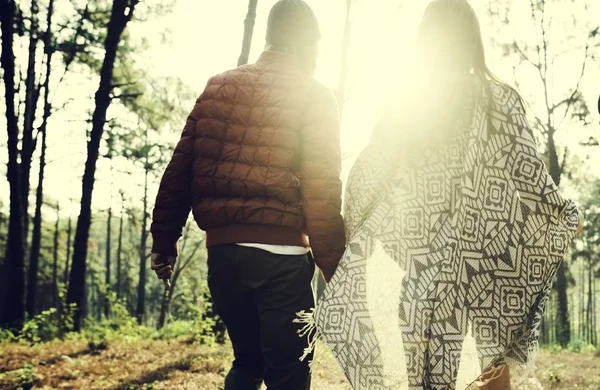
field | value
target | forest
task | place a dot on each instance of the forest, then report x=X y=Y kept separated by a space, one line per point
x=94 y=96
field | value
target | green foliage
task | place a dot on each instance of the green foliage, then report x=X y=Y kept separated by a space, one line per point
x=577 y=346
x=176 y=329
x=40 y=328
x=210 y=323
x=7 y=336
x=554 y=373
x=49 y=324
x=120 y=325
x=187 y=307
x=207 y=328
x=194 y=312
x=581 y=346
x=194 y=321
x=26 y=377
x=553 y=348
x=203 y=332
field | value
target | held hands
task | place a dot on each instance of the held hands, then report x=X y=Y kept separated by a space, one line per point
x=163 y=267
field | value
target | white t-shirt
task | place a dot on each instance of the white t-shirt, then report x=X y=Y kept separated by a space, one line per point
x=288 y=250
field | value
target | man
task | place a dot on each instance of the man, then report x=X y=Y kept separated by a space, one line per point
x=259 y=165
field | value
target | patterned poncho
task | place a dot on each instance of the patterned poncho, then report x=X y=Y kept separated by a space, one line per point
x=450 y=258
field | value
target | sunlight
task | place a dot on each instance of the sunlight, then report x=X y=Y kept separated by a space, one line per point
x=201 y=38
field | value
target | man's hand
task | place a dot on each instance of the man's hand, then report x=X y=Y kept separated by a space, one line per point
x=163 y=267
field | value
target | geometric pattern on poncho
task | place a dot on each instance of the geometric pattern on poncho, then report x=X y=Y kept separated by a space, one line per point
x=474 y=232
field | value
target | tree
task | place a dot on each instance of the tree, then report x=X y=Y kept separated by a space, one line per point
x=249 y=23
x=121 y=15
x=589 y=263
x=141 y=300
x=156 y=108
x=180 y=266
x=37 y=219
x=120 y=245
x=69 y=235
x=12 y=296
x=108 y=243
x=31 y=100
x=342 y=86
x=340 y=94
x=152 y=157
x=55 y=258
x=534 y=53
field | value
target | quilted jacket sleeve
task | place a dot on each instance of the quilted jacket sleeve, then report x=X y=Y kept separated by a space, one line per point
x=173 y=201
x=320 y=182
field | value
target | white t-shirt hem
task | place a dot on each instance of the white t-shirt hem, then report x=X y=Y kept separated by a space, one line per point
x=287 y=250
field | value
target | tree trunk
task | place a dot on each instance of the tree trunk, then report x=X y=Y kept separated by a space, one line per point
x=31 y=98
x=119 y=250
x=340 y=93
x=552 y=318
x=580 y=294
x=36 y=240
x=55 y=259
x=37 y=219
x=164 y=307
x=180 y=266
x=168 y=295
x=594 y=316
x=1 y=222
x=128 y=280
x=2 y=249
x=141 y=301
x=69 y=234
x=248 y=32
x=590 y=313
x=571 y=305
x=544 y=326
x=107 y=275
x=92 y=295
x=342 y=86
x=122 y=11
x=563 y=331
x=12 y=296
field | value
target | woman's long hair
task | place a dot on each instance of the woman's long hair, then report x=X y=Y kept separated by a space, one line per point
x=450 y=36
x=450 y=72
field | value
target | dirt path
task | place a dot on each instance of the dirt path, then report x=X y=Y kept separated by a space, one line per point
x=174 y=364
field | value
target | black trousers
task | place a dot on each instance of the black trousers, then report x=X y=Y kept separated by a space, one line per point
x=257 y=295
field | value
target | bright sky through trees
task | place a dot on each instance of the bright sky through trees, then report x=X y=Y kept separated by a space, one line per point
x=204 y=37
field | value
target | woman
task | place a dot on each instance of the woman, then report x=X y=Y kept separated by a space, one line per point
x=455 y=230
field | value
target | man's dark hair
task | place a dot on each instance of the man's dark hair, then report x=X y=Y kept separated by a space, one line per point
x=292 y=25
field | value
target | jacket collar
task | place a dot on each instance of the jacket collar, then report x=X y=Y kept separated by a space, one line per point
x=271 y=56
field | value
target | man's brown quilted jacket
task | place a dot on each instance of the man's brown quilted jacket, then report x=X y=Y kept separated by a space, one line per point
x=258 y=162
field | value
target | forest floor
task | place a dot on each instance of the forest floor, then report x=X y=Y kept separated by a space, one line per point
x=175 y=364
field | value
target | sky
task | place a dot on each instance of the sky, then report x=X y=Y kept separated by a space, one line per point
x=204 y=38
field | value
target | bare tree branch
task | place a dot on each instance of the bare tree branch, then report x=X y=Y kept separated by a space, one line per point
x=186 y=234
x=541 y=125
x=84 y=15
x=192 y=255
x=126 y=96
x=545 y=67
x=525 y=57
x=572 y=99
x=564 y=160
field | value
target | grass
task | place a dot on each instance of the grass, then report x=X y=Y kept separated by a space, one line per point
x=175 y=364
